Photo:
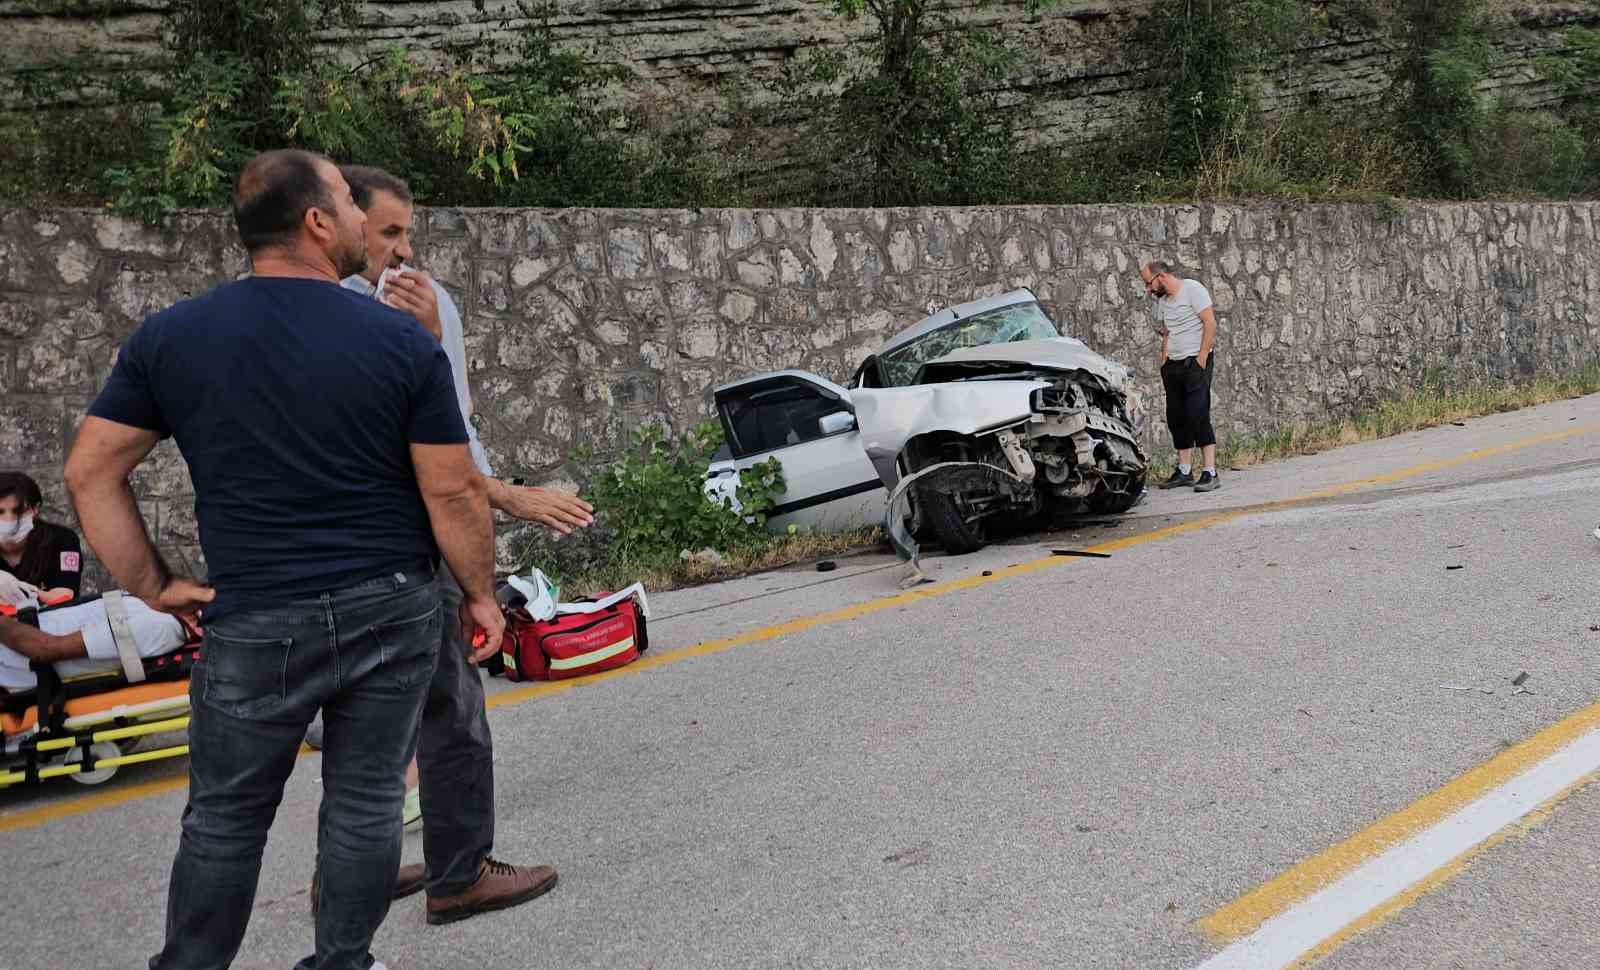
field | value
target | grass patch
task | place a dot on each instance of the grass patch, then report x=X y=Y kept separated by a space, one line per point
x=660 y=574
x=1429 y=406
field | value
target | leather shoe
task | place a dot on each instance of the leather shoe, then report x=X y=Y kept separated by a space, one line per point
x=499 y=886
x=408 y=881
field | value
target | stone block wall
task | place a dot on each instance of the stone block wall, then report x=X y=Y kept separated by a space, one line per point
x=584 y=324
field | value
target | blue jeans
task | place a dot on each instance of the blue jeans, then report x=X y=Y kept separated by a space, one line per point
x=364 y=656
x=455 y=763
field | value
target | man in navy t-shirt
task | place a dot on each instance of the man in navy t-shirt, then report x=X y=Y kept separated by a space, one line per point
x=330 y=470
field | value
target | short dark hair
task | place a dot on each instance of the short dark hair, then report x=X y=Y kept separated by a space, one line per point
x=272 y=195
x=37 y=563
x=365 y=180
x=21 y=487
x=1158 y=266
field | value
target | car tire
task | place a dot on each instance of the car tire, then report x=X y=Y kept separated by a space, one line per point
x=944 y=519
x=1114 y=503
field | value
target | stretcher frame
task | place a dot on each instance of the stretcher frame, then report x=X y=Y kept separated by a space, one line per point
x=86 y=728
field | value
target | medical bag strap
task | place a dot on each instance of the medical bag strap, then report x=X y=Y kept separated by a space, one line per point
x=122 y=635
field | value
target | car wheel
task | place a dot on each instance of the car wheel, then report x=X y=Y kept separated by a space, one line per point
x=1108 y=502
x=942 y=514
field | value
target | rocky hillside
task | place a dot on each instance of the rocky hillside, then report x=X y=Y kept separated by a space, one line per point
x=1079 y=83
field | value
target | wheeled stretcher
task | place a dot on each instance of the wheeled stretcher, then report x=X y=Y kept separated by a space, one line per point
x=85 y=724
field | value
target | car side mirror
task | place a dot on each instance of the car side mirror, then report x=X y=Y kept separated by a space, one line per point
x=836 y=423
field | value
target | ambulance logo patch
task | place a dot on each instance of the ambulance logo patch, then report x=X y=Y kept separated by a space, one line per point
x=71 y=562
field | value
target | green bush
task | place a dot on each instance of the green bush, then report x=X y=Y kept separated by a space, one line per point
x=651 y=501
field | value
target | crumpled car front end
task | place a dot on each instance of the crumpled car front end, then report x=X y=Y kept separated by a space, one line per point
x=1003 y=433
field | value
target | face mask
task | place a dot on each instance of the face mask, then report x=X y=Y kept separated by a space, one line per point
x=17 y=529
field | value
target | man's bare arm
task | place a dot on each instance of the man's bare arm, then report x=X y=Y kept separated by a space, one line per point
x=457 y=498
x=35 y=644
x=458 y=508
x=1208 y=334
x=554 y=509
x=103 y=456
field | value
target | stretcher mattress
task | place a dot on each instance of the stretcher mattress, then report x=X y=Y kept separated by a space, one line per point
x=108 y=703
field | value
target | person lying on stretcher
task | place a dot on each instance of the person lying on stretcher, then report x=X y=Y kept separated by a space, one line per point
x=77 y=638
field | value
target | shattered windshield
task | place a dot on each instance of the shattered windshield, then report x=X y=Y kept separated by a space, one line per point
x=1020 y=321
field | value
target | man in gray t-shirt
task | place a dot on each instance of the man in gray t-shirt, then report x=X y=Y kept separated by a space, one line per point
x=1188 y=327
x=455 y=759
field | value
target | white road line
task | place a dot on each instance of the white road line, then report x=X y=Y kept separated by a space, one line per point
x=1287 y=937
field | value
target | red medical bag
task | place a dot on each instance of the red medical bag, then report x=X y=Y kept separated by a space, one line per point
x=572 y=644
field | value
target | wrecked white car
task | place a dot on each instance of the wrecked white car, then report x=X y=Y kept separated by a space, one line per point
x=979 y=414
x=984 y=413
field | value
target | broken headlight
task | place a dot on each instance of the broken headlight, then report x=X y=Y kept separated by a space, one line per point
x=1054 y=400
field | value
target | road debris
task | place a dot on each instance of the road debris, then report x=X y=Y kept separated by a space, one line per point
x=914 y=856
x=1306 y=712
x=1447 y=568
x=1459 y=424
x=1459 y=545
x=1519 y=679
x=827 y=566
x=1080 y=552
x=988 y=572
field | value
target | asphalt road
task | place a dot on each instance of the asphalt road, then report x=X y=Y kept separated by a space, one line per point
x=1067 y=763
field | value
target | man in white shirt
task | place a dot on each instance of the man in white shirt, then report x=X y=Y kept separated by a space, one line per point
x=1188 y=327
x=454 y=753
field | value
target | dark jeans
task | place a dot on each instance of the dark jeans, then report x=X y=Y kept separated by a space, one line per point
x=364 y=656
x=455 y=762
x=1188 y=387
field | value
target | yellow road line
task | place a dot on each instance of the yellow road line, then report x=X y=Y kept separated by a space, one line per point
x=1380 y=914
x=90 y=803
x=1241 y=917
x=41 y=816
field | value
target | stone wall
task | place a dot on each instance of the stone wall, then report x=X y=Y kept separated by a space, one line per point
x=1077 y=82
x=584 y=324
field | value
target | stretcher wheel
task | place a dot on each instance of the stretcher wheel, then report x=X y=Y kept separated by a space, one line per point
x=104 y=749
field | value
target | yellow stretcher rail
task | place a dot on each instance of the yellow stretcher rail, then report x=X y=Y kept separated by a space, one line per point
x=176 y=751
x=116 y=734
x=61 y=771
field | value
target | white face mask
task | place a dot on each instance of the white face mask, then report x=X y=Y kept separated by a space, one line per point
x=17 y=529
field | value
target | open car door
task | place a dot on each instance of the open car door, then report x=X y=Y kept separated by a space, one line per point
x=807 y=423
